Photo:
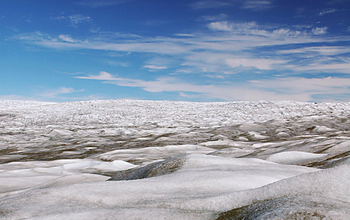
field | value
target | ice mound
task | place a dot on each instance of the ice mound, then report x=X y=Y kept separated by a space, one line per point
x=233 y=152
x=219 y=143
x=322 y=129
x=325 y=187
x=17 y=176
x=151 y=170
x=150 y=154
x=293 y=157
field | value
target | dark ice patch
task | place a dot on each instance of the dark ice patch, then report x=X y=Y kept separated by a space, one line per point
x=151 y=170
x=295 y=207
x=7 y=115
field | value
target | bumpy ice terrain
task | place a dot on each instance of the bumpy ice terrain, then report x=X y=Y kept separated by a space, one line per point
x=128 y=159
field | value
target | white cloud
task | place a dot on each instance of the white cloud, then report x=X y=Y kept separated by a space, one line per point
x=220 y=26
x=221 y=16
x=102 y=76
x=224 y=92
x=184 y=35
x=209 y=4
x=232 y=45
x=240 y=36
x=60 y=91
x=188 y=95
x=66 y=38
x=116 y=63
x=33 y=37
x=328 y=11
x=250 y=29
x=290 y=88
x=325 y=68
x=75 y=19
x=216 y=76
x=16 y=97
x=285 y=32
x=256 y=4
x=64 y=90
x=319 y=31
x=323 y=50
x=154 y=67
x=263 y=64
x=306 y=87
x=101 y=3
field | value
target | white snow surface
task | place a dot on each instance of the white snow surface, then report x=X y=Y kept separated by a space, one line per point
x=56 y=158
x=292 y=157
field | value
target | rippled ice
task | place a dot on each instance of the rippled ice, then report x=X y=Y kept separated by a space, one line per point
x=174 y=160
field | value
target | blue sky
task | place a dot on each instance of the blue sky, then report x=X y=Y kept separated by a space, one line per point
x=229 y=50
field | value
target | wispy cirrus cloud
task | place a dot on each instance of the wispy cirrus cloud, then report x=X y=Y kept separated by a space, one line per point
x=102 y=76
x=154 y=67
x=327 y=11
x=237 y=45
x=319 y=30
x=253 y=29
x=330 y=87
x=205 y=4
x=321 y=67
x=283 y=35
x=257 y=5
x=247 y=34
x=66 y=38
x=226 y=49
x=75 y=19
x=117 y=63
x=221 y=16
x=263 y=64
x=292 y=88
x=220 y=26
x=322 y=50
x=17 y=97
x=63 y=90
x=101 y=3
x=254 y=5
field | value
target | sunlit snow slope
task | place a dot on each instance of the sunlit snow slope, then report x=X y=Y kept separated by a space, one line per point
x=174 y=160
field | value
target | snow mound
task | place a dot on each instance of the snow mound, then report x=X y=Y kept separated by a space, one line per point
x=332 y=184
x=18 y=176
x=293 y=157
x=149 y=154
x=151 y=170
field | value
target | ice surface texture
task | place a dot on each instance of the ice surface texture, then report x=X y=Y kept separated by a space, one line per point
x=151 y=170
x=50 y=131
x=174 y=160
x=292 y=208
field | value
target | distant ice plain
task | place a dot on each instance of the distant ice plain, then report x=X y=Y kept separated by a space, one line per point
x=55 y=159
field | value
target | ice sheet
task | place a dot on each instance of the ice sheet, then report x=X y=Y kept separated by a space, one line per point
x=18 y=176
x=201 y=176
x=55 y=159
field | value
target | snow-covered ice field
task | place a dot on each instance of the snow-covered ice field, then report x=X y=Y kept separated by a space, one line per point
x=129 y=159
